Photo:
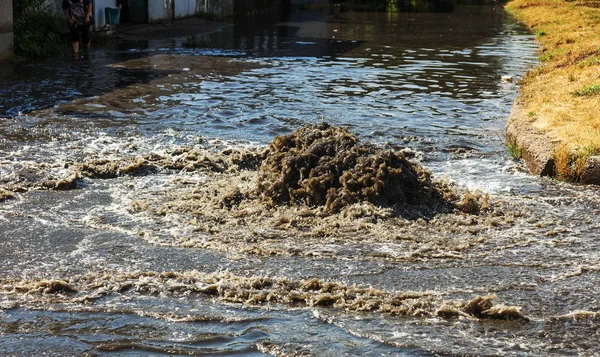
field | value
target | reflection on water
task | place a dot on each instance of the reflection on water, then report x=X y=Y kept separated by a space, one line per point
x=429 y=81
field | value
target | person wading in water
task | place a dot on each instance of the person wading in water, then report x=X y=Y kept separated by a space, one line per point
x=78 y=13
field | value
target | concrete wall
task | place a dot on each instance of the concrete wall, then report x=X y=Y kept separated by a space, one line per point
x=159 y=10
x=219 y=8
x=185 y=8
x=6 y=29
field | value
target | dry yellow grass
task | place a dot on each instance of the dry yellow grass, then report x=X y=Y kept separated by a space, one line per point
x=562 y=96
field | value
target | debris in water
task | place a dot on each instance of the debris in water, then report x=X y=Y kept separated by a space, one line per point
x=326 y=165
x=44 y=287
x=260 y=290
x=6 y=195
x=578 y=315
x=483 y=307
x=473 y=203
x=107 y=169
x=71 y=182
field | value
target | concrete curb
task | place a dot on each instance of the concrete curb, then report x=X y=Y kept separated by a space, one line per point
x=537 y=149
x=591 y=171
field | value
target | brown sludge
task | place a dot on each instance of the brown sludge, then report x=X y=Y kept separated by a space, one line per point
x=326 y=165
x=258 y=291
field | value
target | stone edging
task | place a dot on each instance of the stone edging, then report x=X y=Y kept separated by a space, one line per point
x=537 y=149
x=591 y=171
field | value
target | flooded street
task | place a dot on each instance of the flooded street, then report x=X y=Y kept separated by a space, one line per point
x=129 y=226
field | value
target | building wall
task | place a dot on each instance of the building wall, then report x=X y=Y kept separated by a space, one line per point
x=6 y=29
x=158 y=10
x=225 y=8
x=185 y=8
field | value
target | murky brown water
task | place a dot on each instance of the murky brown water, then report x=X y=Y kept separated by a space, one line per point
x=125 y=234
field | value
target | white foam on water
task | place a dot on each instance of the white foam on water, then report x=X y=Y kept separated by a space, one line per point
x=488 y=175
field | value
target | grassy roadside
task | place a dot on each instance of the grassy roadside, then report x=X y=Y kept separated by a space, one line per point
x=562 y=95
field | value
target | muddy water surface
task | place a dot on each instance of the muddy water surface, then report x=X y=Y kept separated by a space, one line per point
x=126 y=230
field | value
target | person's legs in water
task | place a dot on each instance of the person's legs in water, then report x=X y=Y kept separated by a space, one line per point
x=85 y=37
x=74 y=39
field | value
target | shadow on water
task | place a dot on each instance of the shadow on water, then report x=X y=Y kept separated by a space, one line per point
x=36 y=85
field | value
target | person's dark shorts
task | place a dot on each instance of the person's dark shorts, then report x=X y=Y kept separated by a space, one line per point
x=80 y=33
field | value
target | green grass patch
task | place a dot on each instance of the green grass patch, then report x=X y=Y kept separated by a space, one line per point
x=587 y=91
x=514 y=150
x=589 y=61
x=547 y=56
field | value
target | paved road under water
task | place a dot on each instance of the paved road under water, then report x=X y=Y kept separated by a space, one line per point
x=132 y=261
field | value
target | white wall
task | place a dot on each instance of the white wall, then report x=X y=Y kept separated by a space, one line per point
x=158 y=10
x=184 y=8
